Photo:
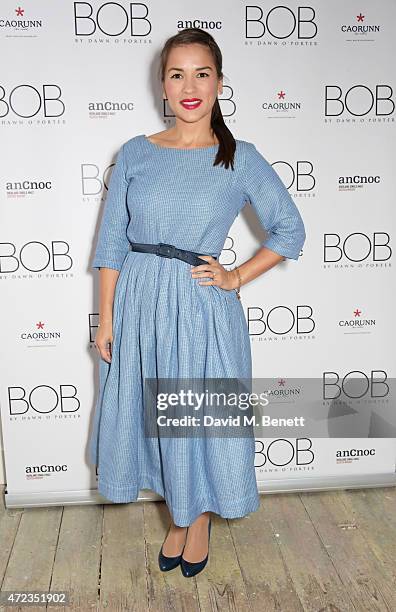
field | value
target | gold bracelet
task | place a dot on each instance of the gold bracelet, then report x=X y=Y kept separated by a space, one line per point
x=238 y=292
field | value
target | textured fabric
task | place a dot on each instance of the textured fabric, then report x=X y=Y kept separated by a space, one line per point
x=167 y=325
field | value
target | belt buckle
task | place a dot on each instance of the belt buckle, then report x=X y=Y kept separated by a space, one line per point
x=166 y=250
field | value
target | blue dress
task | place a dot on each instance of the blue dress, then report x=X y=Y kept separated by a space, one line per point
x=167 y=325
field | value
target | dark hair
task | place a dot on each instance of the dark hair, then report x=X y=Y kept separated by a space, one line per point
x=227 y=145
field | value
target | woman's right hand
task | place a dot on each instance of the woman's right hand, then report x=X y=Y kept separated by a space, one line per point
x=104 y=340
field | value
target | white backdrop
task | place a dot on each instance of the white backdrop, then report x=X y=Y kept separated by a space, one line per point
x=313 y=88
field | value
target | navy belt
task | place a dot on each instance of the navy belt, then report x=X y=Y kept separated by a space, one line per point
x=168 y=250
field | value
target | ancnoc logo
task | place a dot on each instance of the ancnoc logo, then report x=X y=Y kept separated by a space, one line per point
x=356 y=452
x=358 y=180
x=45 y=468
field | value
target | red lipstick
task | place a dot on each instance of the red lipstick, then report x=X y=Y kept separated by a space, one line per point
x=190 y=103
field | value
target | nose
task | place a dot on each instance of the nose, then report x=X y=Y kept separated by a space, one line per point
x=188 y=85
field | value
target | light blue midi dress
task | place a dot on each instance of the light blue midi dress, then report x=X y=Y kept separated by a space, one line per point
x=166 y=325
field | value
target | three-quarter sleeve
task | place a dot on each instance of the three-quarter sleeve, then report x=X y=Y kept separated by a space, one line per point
x=273 y=205
x=113 y=244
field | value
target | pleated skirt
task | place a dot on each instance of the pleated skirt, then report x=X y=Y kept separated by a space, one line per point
x=166 y=325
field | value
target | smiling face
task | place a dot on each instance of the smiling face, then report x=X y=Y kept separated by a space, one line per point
x=191 y=84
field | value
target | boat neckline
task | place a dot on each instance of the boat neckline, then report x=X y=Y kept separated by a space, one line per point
x=157 y=146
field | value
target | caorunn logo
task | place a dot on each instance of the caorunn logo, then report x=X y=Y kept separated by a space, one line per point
x=281 y=106
x=20 y=23
x=39 y=335
x=281 y=389
x=356 y=322
x=360 y=27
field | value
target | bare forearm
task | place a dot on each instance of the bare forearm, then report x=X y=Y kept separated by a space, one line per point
x=263 y=260
x=107 y=282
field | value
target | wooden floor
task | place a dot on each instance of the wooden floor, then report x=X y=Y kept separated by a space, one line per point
x=323 y=551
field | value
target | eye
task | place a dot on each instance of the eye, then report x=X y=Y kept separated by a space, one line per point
x=205 y=73
x=175 y=75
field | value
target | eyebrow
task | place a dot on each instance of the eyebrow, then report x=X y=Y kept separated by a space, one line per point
x=201 y=68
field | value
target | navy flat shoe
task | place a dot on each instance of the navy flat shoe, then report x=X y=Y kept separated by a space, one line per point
x=168 y=563
x=189 y=568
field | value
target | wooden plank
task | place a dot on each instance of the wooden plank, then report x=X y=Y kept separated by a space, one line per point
x=314 y=576
x=362 y=575
x=267 y=579
x=9 y=524
x=332 y=550
x=383 y=499
x=77 y=559
x=167 y=591
x=32 y=556
x=123 y=573
x=220 y=585
x=367 y=508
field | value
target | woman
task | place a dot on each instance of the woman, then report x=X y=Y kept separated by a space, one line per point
x=167 y=317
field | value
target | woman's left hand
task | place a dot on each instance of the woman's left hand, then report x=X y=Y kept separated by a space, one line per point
x=225 y=279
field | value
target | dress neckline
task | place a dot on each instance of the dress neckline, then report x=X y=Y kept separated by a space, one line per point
x=157 y=146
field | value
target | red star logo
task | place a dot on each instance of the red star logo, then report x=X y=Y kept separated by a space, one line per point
x=281 y=382
x=19 y=11
x=281 y=94
x=40 y=325
x=357 y=312
x=360 y=17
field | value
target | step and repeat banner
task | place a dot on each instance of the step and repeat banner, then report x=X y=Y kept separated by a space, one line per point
x=312 y=86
